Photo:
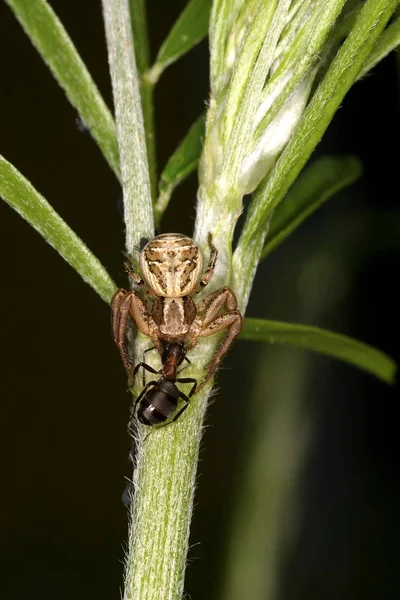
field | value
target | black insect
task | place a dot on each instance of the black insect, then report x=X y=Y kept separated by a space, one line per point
x=158 y=401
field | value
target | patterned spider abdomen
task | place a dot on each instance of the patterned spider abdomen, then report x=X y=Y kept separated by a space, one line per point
x=171 y=265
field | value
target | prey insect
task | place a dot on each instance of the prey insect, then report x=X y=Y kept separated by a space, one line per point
x=162 y=306
x=158 y=401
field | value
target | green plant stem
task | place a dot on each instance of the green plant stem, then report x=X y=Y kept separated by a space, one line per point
x=164 y=482
x=142 y=54
x=166 y=461
x=138 y=211
x=57 y=50
x=147 y=95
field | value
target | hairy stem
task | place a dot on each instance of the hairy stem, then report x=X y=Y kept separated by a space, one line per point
x=164 y=482
x=147 y=95
x=142 y=53
x=166 y=459
x=130 y=128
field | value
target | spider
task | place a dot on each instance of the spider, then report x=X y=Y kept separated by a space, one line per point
x=172 y=267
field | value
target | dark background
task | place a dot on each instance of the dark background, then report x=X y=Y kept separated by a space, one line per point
x=62 y=387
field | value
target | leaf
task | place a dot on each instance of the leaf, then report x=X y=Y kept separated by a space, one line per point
x=190 y=28
x=340 y=76
x=137 y=10
x=319 y=182
x=180 y=165
x=22 y=197
x=388 y=41
x=326 y=342
x=49 y=37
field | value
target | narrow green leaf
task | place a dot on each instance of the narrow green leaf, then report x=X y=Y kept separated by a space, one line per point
x=57 y=50
x=190 y=28
x=326 y=342
x=316 y=184
x=340 y=76
x=388 y=41
x=137 y=10
x=22 y=197
x=180 y=165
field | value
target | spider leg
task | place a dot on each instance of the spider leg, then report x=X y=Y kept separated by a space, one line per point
x=233 y=321
x=208 y=309
x=209 y=322
x=133 y=275
x=211 y=266
x=137 y=280
x=210 y=306
x=125 y=305
x=119 y=325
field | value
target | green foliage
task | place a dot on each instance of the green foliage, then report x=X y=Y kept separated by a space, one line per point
x=22 y=197
x=388 y=41
x=57 y=50
x=341 y=74
x=190 y=28
x=139 y=30
x=318 y=183
x=325 y=342
x=264 y=58
x=180 y=165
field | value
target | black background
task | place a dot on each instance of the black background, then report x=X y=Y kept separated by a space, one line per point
x=63 y=391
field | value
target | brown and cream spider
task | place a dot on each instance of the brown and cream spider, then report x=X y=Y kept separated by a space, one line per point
x=172 y=267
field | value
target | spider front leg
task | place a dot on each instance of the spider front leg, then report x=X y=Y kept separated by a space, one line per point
x=126 y=305
x=210 y=268
x=209 y=323
x=119 y=325
x=137 y=280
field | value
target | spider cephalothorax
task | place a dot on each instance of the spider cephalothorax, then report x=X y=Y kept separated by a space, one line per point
x=172 y=273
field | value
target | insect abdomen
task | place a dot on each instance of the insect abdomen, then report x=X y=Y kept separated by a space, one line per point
x=159 y=404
